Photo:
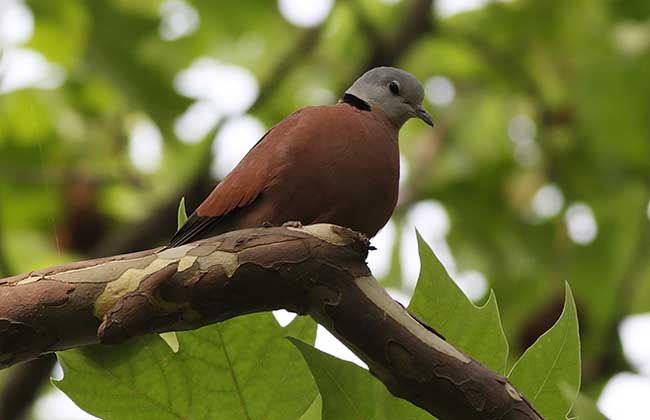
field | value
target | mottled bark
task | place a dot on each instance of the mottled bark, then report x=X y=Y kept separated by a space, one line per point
x=317 y=270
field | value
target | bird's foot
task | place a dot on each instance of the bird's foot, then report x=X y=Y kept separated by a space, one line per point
x=292 y=224
x=267 y=225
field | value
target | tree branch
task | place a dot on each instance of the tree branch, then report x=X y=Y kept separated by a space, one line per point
x=418 y=20
x=317 y=270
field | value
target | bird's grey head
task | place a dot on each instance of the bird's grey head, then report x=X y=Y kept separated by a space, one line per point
x=397 y=93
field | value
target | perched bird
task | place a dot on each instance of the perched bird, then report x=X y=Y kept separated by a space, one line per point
x=323 y=164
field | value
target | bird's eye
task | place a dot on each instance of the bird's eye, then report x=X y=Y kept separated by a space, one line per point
x=394 y=87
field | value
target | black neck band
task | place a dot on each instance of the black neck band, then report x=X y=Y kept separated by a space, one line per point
x=356 y=102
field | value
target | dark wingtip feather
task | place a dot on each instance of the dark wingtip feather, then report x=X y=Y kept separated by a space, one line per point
x=191 y=230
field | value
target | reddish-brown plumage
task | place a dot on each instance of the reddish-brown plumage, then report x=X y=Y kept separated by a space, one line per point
x=335 y=164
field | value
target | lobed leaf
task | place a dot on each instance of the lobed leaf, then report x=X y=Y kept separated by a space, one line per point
x=440 y=303
x=551 y=363
x=239 y=369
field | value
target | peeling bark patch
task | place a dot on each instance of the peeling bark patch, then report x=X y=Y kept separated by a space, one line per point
x=379 y=297
x=126 y=283
x=141 y=311
x=186 y=262
x=30 y=279
x=227 y=260
x=205 y=248
x=110 y=270
x=513 y=392
x=324 y=232
x=176 y=253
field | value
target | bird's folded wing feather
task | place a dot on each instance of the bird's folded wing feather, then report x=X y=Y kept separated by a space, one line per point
x=240 y=188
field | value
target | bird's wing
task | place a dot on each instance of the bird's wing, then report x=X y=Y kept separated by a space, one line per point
x=239 y=189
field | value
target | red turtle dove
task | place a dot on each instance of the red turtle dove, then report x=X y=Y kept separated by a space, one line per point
x=323 y=164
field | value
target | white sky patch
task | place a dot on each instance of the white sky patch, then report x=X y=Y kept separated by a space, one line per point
x=431 y=218
x=237 y=136
x=522 y=131
x=16 y=23
x=283 y=317
x=440 y=91
x=178 y=19
x=326 y=342
x=648 y=210
x=581 y=223
x=399 y=296
x=22 y=68
x=196 y=122
x=57 y=372
x=404 y=169
x=315 y=95
x=432 y=221
x=379 y=259
x=473 y=283
x=230 y=89
x=527 y=153
x=55 y=405
x=145 y=145
x=547 y=201
x=625 y=397
x=635 y=337
x=448 y=8
x=305 y=13
x=631 y=37
x=521 y=127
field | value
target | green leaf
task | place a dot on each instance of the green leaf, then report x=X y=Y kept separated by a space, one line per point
x=171 y=339
x=584 y=407
x=241 y=369
x=440 y=303
x=551 y=363
x=182 y=213
x=350 y=392
x=314 y=411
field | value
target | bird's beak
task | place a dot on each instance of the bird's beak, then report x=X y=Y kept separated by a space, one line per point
x=422 y=114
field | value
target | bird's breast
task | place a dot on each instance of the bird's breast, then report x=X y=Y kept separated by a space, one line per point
x=346 y=174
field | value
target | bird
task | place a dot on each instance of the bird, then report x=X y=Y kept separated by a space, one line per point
x=336 y=164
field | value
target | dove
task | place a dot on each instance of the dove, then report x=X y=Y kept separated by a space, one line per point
x=336 y=164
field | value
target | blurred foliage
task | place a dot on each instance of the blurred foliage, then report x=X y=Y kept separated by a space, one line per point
x=579 y=70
